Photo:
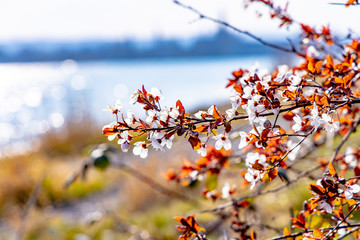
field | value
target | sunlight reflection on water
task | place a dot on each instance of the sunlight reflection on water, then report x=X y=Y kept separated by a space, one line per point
x=36 y=97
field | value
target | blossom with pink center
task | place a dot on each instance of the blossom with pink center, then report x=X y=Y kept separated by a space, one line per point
x=156 y=93
x=330 y=125
x=298 y=123
x=253 y=176
x=202 y=152
x=141 y=149
x=243 y=140
x=350 y=190
x=222 y=141
x=134 y=97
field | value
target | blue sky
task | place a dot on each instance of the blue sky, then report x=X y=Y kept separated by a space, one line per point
x=146 y=19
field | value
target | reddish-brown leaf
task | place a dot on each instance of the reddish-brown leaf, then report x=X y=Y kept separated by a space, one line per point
x=239 y=89
x=273 y=173
x=195 y=142
x=286 y=232
x=350 y=2
x=332 y=170
x=202 y=128
x=180 y=107
x=289 y=116
x=357 y=170
x=317 y=189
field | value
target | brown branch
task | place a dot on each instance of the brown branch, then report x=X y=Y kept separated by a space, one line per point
x=154 y=185
x=223 y=23
x=293 y=235
x=348 y=233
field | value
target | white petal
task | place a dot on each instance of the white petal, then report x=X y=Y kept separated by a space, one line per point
x=143 y=153
x=348 y=194
x=219 y=144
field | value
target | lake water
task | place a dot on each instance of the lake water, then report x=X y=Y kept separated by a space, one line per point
x=35 y=97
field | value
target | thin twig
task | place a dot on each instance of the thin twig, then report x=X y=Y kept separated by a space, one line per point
x=29 y=204
x=293 y=235
x=329 y=234
x=149 y=181
x=260 y=40
x=348 y=233
x=346 y=137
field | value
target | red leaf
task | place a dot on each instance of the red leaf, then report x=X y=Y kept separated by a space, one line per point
x=357 y=170
x=332 y=170
x=273 y=173
x=144 y=91
x=180 y=107
x=216 y=114
x=317 y=189
x=195 y=142
x=289 y=116
x=239 y=89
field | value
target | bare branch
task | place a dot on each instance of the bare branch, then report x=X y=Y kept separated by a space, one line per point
x=223 y=23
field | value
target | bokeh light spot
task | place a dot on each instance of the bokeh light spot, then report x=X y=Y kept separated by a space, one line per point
x=56 y=120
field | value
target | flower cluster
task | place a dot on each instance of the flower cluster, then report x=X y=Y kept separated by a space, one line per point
x=283 y=109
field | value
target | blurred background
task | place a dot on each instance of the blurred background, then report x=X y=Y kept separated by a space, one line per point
x=63 y=62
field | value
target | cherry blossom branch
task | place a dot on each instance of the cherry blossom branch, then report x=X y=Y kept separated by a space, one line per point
x=332 y=231
x=339 y=103
x=348 y=233
x=255 y=194
x=293 y=235
x=223 y=23
x=346 y=137
x=292 y=149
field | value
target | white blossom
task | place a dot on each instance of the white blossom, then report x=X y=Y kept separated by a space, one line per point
x=330 y=125
x=134 y=97
x=283 y=73
x=350 y=159
x=167 y=142
x=111 y=125
x=350 y=190
x=235 y=101
x=129 y=117
x=174 y=113
x=316 y=121
x=243 y=142
x=230 y=113
x=124 y=141
x=199 y=114
x=156 y=93
x=298 y=123
x=151 y=116
x=222 y=141
x=164 y=115
x=253 y=176
x=225 y=190
x=202 y=152
x=325 y=206
x=156 y=139
x=247 y=92
x=295 y=81
x=117 y=107
x=140 y=149
x=251 y=158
